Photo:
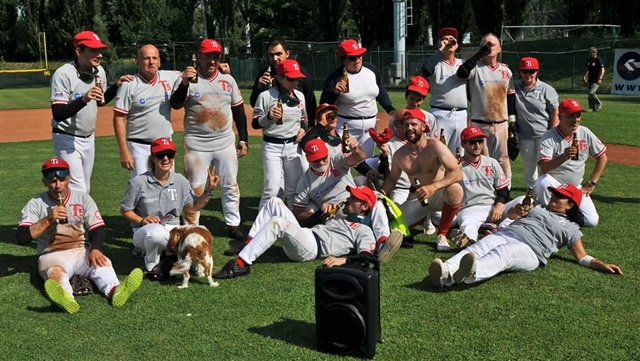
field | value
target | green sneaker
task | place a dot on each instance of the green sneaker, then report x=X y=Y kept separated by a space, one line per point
x=127 y=288
x=60 y=297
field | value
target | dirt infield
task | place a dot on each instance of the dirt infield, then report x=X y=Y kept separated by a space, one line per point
x=35 y=124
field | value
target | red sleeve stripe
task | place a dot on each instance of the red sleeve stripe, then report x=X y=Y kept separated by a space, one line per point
x=96 y=225
x=238 y=103
x=544 y=158
x=120 y=110
x=25 y=224
x=58 y=102
x=600 y=154
x=300 y=205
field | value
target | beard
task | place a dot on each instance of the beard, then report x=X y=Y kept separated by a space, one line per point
x=413 y=137
x=320 y=169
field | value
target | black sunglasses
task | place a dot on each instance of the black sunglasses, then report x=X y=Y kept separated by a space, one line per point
x=354 y=58
x=332 y=115
x=291 y=79
x=320 y=160
x=475 y=141
x=169 y=155
x=528 y=71
x=60 y=173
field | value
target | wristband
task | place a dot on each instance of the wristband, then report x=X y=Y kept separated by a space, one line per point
x=209 y=193
x=142 y=220
x=586 y=261
x=592 y=183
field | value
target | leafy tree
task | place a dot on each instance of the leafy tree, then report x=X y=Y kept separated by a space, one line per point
x=8 y=20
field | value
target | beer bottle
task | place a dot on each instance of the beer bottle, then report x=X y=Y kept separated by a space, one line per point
x=270 y=84
x=345 y=79
x=279 y=120
x=527 y=201
x=336 y=208
x=458 y=157
x=61 y=204
x=194 y=62
x=345 y=137
x=424 y=202
x=442 y=139
x=99 y=85
x=574 y=144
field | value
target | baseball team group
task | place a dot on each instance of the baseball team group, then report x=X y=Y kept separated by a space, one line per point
x=333 y=185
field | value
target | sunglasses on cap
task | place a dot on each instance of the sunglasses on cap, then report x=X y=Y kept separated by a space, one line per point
x=168 y=154
x=528 y=71
x=354 y=58
x=51 y=173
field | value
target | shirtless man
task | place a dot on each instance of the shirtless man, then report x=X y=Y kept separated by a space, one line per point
x=430 y=162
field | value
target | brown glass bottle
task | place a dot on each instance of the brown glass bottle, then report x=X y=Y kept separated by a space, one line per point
x=336 y=208
x=527 y=201
x=345 y=138
x=279 y=120
x=270 y=84
x=442 y=139
x=99 y=85
x=194 y=62
x=345 y=79
x=61 y=204
x=575 y=144
x=424 y=202
x=458 y=156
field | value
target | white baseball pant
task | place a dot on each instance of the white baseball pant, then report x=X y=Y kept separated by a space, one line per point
x=152 y=239
x=529 y=153
x=60 y=266
x=140 y=153
x=495 y=253
x=359 y=129
x=471 y=218
x=496 y=144
x=80 y=154
x=591 y=217
x=414 y=212
x=280 y=160
x=453 y=122
x=226 y=162
x=276 y=222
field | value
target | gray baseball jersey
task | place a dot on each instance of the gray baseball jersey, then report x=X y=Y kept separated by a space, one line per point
x=480 y=181
x=488 y=89
x=447 y=90
x=291 y=119
x=360 y=101
x=553 y=144
x=326 y=187
x=533 y=107
x=66 y=86
x=146 y=105
x=83 y=215
x=208 y=119
x=147 y=197
x=544 y=231
x=340 y=237
x=392 y=146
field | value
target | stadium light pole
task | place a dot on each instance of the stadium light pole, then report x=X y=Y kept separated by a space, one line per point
x=203 y=5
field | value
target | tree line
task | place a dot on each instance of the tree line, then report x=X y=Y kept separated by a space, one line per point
x=241 y=24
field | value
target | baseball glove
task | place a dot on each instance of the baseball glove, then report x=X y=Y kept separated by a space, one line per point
x=82 y=286
x=513 y=148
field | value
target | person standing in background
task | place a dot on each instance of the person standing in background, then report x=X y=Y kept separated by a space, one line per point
x=593 y=76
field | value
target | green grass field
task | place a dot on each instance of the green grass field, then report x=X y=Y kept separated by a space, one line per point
x=562 y=312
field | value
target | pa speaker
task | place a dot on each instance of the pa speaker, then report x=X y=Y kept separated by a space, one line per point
x=348 y=308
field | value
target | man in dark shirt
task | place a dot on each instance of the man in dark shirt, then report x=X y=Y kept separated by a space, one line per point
x=593 y=77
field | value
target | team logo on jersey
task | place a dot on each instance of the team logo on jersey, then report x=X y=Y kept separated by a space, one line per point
x=225 y=85
x=77 y=96
x=505 y=74
x=488 y=171
x=196 y=95
x=335 y=171
x=165 y=85
x=173 y=192
x=97 y=215
x=78 y=210
x=482 y=82
x=58 y=95
x=142 y=101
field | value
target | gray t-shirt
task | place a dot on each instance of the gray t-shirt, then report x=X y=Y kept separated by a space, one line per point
x=326 y=187
x=147 y=197
x=544 y=231
x=291 y=119
x=553 y=144
x=83 y=216
x=447 y=89
x=533 y=107
x=146 y=106
x=66 y=86
x=340 y=237
x=481 y=180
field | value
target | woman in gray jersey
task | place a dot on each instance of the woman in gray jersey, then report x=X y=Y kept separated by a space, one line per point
x=524 y=245
x=536 y=112
x=154 y=201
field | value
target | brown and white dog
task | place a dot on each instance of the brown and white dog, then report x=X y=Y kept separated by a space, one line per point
x=191 y=244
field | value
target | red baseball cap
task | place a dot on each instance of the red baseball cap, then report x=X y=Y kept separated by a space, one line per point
x=570 y=106
x=290 y=68
x=447 y=31
x=162 y=144
x=470 y=133
x=528 y=63
x=416 y=114
x=569 y=190
x=350 y=47
x=210 y=46
x=315 y=149
x=88 y=39
x=55 y=163
x=364 y=194
x=419 y=85
x=325 y=106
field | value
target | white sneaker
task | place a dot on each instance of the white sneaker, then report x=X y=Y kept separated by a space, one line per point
x=438 y=273
x=467 y=268
x=429 y=228
x=443 y=244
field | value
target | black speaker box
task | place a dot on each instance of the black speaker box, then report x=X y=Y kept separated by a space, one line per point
x=348 y=308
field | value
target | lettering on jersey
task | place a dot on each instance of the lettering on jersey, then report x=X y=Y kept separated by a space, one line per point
x=77 y=209
x=225 y=85
x=582 y=145
x=488 y=171
x=504 y=74
x=354 y=226
x=165 y=85
x=58 y=95
x=172 y=191
x=335 y=171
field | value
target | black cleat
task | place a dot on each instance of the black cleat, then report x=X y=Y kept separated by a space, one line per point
x=237 y=233
x=232 y=270
x=235 y=249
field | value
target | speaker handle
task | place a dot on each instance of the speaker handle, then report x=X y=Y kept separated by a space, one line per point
x=365 y=259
